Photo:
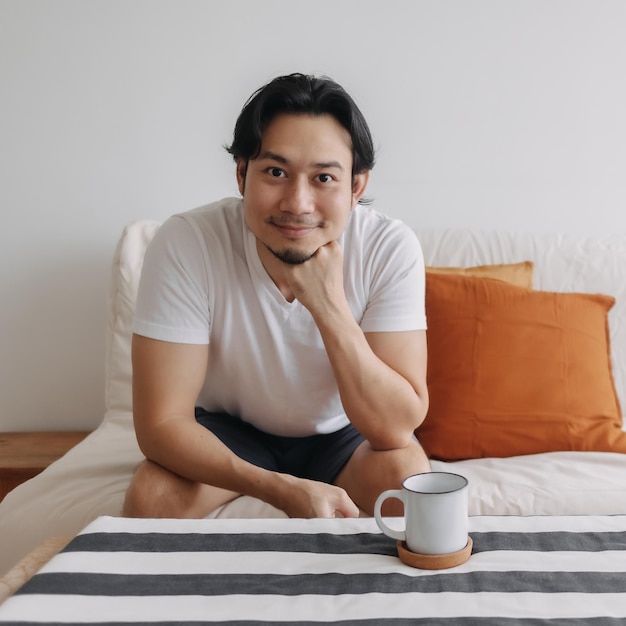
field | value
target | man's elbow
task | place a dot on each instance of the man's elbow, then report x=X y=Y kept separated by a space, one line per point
x=391 y=439
x=398 y=437
x=147 y=440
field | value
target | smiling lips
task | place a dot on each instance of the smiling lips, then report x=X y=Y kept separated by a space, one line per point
x=293 y=233
x=293 y=230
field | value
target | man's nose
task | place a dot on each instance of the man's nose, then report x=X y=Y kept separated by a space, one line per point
x=298 y=197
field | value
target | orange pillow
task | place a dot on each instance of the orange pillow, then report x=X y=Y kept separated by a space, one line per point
x=520 y=274
x=513 y=371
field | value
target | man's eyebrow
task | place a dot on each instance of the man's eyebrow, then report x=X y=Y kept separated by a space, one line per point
x=324 y=165
x=272 y=156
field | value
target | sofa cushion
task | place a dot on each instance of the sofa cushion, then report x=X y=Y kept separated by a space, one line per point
x=125 y=273
x=513 y=371
x=520 y=274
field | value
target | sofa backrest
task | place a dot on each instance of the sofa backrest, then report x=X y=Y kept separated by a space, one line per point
x=562 y=263
x=125 y=272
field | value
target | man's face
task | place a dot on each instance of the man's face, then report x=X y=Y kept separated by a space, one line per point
x=299 y=191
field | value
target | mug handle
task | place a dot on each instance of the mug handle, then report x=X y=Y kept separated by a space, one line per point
x=400 y=535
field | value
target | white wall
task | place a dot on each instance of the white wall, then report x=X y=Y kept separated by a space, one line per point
x=487 y=113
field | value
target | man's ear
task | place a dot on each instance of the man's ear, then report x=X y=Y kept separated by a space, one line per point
x=359 y=184
x=242 y=168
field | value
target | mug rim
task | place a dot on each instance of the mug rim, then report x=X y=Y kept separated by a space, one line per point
x=464 y=484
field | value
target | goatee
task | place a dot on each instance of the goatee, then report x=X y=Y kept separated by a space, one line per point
x=291 y=256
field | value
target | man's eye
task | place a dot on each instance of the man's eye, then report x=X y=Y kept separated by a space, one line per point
x=276 y=172
x=325 y=178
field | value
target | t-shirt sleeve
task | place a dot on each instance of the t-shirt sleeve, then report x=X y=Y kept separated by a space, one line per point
x=397 y=282
x=172 y=299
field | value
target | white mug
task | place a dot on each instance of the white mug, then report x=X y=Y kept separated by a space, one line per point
x=435 y=513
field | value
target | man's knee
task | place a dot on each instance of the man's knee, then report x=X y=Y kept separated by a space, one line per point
x=153 y=492
x=370 y=472
x=405 y=462
x=401 y=464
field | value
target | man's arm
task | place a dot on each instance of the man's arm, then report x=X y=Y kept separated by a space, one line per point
x=381 y=376
x=167 y=378
x=381 y=379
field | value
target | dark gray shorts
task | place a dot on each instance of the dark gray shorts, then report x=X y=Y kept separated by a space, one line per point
x=318 y=457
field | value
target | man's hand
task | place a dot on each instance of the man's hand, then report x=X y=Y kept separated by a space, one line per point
x=310 y=498
x=318 y=282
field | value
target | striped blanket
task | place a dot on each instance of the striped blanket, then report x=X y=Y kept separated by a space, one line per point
x=523 y=570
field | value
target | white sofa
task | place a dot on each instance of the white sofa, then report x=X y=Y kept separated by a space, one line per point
x=92 y=478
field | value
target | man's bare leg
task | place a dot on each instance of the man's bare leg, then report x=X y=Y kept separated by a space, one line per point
x=157 y=492
x=369 y=472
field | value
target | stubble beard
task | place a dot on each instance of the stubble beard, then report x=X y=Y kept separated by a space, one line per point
x=291 y=256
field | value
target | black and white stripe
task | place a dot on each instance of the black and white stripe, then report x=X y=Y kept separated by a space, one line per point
x=532 y=570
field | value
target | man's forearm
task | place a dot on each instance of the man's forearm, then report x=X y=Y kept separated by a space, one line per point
x=381 y=403
x=193 y=452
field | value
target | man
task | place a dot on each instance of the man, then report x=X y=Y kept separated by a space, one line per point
x=279 y=339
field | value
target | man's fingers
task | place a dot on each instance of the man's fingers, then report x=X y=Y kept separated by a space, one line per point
x=347 y=507
x=349 y=511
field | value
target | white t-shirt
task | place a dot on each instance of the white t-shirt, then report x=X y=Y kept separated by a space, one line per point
x=203 y=282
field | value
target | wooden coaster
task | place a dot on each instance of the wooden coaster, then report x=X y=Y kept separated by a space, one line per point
x=434 y=561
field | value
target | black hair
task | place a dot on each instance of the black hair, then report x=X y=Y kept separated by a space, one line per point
x=301 y=94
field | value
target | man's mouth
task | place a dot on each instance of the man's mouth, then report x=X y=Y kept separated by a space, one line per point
x=293 y=230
